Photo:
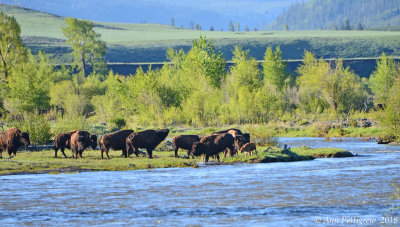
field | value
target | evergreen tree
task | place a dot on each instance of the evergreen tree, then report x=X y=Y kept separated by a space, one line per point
x=237 y=26
x=231 y=28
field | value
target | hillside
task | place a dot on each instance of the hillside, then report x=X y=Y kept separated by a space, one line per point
x=333 y=14
x=129 y=43
x=206 y=13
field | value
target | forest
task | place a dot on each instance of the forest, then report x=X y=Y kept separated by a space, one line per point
x=194 y=90
x=341 y=14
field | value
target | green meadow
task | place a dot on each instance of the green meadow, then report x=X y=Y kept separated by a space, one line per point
x=149 y=42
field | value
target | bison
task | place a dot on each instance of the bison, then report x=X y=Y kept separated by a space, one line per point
x=62 y=141
x=80 y=140
x=11 y=139
x=233 y=131
x=114 y=140
x=212 y=145
x=148 y=139
x=248 y=148
x=184 y=142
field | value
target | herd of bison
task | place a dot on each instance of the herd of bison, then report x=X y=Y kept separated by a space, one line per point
x=229 y=141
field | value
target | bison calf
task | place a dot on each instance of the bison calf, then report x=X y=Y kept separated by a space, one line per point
x=184 y=142
x=114 y=140
x=248 y=148
x=148 y=140
x=11 y=140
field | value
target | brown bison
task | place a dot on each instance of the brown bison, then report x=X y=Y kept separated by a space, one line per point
x=62 y=141
x=148 y=140
x=248 y=148
x=212 y=145
x=114 y=140
x=11 y=139
x=184 y=142
x=80 y=140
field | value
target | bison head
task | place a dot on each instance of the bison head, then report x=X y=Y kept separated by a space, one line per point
x=93 y=142
x=246 y=138
x=198 y=149
x=163 y=133
x=24 y=139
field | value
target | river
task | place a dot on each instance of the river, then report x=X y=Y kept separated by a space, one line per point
x=332 y=191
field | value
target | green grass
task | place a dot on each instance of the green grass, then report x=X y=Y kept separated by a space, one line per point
x=44 y=161
x=322 y=152
x=149 y=42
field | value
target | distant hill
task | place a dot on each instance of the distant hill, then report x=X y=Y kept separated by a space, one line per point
x=334 y=14
x=206 y=13
x=129 y=43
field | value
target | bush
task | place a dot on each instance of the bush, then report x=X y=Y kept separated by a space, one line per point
x=37 y=126
x=118 y=122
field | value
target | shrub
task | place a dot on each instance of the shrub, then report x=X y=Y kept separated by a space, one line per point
x=118 y=122
x=37 y=126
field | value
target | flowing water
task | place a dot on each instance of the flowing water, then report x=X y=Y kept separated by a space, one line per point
x=338 y=191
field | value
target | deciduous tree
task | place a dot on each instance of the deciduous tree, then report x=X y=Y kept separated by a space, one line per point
x=88 y=48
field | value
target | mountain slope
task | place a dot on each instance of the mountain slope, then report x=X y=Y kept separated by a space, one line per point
x=206 y=13
x=332 y=14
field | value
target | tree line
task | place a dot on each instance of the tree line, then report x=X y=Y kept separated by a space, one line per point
x=195 y=89
x=341 y=14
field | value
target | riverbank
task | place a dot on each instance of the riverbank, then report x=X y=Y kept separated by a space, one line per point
x=44 y=161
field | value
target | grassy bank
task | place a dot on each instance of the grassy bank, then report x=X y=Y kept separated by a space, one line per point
x=44 y=161
x=322 y=152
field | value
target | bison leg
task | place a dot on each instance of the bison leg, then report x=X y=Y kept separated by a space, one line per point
x=206 y=158
x=188 y=155
x=62 y=151
x=128 y=148
x=150 y=153
x=176 y=152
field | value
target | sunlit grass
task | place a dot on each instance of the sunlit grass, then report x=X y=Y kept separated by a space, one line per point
x=44 y=161
x=322 y=152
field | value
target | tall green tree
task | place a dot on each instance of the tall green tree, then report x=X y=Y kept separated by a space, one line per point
x=88 y=48
x=204 y=60
x=383 y=77
x=12 y=51
x=274 y=67
x=29 y=85
x=390 y=117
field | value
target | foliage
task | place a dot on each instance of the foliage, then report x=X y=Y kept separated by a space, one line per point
x=29 y=85
x=38 y=127
x=88 y=48
x=274 y=67
x=12 y=51
x=389 y=117
x=322 y=87
x=383 y=77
